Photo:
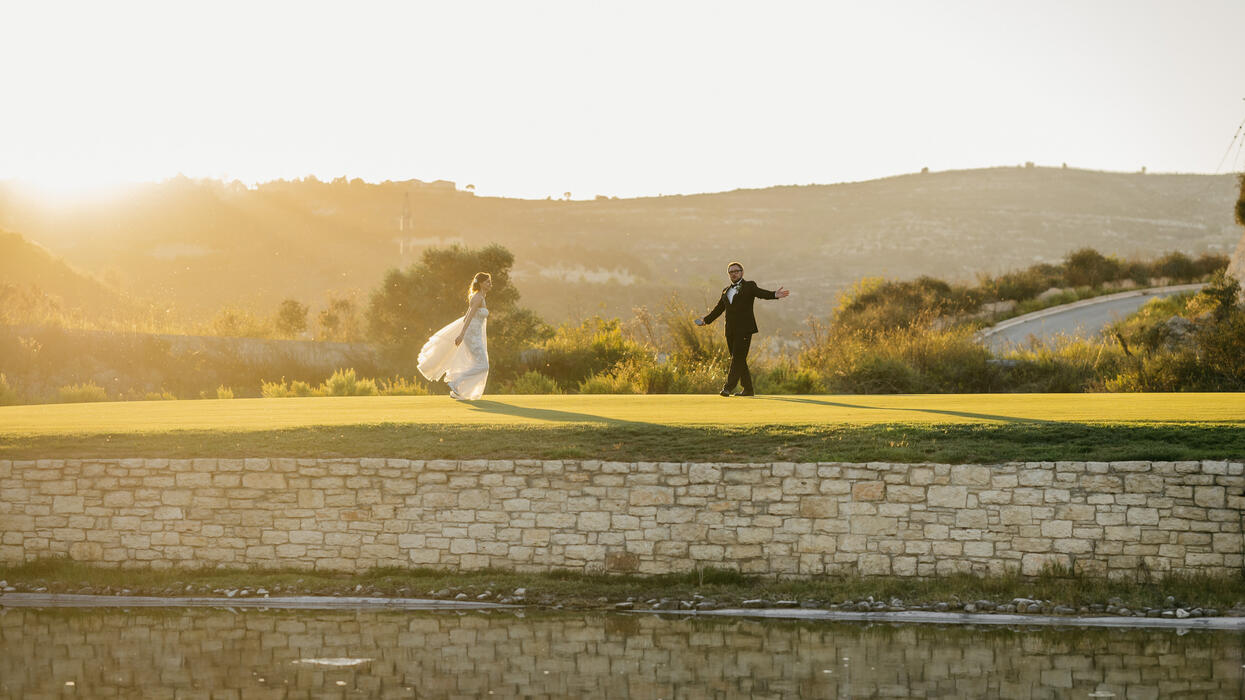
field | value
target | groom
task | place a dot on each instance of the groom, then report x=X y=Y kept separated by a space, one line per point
x=737 y=301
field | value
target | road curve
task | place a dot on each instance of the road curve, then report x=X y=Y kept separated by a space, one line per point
x=1081 y=319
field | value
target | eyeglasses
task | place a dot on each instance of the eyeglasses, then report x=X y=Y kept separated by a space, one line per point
x=735 y=269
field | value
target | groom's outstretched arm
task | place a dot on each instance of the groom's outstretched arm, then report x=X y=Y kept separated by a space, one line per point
x=717 y=310
x=767 y=294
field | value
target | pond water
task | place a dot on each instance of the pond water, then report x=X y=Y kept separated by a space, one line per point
x=251 y=654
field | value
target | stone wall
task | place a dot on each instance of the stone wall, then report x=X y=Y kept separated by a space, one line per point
x=1116 y=519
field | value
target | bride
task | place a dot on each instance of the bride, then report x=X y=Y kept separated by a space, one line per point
x=459 y=351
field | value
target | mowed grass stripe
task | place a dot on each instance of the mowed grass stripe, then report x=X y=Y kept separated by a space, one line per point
x=637 y=411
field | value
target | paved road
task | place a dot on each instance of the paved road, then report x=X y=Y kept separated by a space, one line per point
x=1081 y=319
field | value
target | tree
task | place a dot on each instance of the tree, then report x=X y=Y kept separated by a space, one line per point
x=339 y=320
x=413 y=304
x=1087 y=267
x=291 y=318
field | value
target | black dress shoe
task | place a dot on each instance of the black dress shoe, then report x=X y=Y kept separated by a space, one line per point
x=745 y=393
x=724 y=392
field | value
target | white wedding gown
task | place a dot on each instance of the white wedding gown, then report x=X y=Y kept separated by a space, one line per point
x=465 y=367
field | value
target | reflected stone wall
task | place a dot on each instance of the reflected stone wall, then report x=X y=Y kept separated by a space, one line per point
x=1100 y=518
x=255 y=654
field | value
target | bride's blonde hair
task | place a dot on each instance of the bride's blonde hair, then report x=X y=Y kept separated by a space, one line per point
x=476 y=282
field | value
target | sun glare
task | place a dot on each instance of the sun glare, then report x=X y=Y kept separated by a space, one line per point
x=69 y=189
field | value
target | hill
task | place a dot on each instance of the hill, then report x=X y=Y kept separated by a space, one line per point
x=31 y=275
x=201 y=244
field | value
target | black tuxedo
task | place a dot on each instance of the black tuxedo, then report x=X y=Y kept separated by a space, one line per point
x=741 y=324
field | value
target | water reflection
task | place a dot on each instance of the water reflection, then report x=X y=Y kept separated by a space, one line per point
x=205 y=653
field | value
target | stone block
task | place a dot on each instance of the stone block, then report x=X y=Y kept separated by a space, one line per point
x=652 y=496
x=1144 y=483
x=819 y=507
x=68 y=504
x=869 y=491
x=970 y=475
x=264 y=480
x=947 y=496
x=1210 y=496
x=875 y=565
x=1056 y=528
x=975 y=518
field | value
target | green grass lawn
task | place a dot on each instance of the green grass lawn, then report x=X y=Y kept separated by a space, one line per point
x=929 y=427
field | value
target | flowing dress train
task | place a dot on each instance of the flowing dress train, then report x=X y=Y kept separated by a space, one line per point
x=465 y=366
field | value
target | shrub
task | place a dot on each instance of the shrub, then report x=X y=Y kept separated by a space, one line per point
x=400 y=386
x=787 y=378
x=344 y=382
x=159 y=396
x=575 y=353
x=1087 y=267
x=224 y=392
x=532 y=382
x=82 y=393
x=915 y=359
x=607 y=383
x=1066 y=365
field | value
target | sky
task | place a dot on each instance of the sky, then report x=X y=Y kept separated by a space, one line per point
x=627 y=99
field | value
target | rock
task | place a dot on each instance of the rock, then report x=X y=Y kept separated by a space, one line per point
x=685 y=604
x=1210 y=612
x=628 y=605
x=261 y=591
x=460 y=596
x=519 y=592
x=941 y=607
x=1182 y=613
x=1153 y=612
x=484 y=596
x=970 y=608
x=809 y=604
x=1169 y=602
x=1169 y=613
x=1033 y=608
x=787 y=604
x=1124 y=612
x=1117 y=602
x=984 y=605
x=443 y=593
x=755 y=603
x=1063 y=610
x=706 y=605
x=896 y=603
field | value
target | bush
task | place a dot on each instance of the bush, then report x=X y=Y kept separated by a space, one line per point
x=224 y=392
x=575 y=353
x=607 y=383
x=81 y=393
x=400 y=386
x=159 y=396
x=916 y=359
x=344 y=382
x=786 y=378
x=1068 y=365
x=532 y=382
x=1089 y=268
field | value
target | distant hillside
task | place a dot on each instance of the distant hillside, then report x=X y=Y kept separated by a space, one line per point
x=205 y=243
x=31 y=269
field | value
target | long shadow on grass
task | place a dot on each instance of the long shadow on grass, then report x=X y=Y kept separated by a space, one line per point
x=549 y=415
x=961 y=414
